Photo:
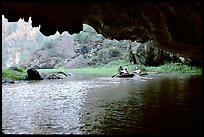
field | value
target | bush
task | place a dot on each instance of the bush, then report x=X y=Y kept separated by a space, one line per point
x=93 y=61
x=142 y=68
x=13 y=74
x=176 y=68
x=113 y=52
x=17 y=68
x=102 y=55
x=84 y=49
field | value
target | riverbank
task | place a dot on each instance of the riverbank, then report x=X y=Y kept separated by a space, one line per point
x=16 y=74
x=110 y=69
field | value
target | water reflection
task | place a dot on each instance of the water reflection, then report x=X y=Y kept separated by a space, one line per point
x=42 y=108
x=162 y=104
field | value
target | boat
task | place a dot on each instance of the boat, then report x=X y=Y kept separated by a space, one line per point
x=140 y=74
x=125 y=75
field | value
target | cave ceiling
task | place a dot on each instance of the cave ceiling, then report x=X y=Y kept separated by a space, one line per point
x=173 y=26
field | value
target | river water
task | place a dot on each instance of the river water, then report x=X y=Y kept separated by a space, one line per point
x=159 y=104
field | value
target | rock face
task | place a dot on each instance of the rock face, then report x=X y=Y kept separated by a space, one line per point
x=41 y=59
x=78 y=61
x=150 y=55
x=53 y=54
x=172 y=27
x=175 y=27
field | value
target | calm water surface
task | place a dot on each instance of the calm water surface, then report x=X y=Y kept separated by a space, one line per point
x=163 y=104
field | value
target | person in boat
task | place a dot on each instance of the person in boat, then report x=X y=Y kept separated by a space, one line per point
x=125 y=71
x=120 y=70
x=137 y=71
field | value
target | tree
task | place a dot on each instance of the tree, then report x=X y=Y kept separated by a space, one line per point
x=84 y=49
x=113 y=52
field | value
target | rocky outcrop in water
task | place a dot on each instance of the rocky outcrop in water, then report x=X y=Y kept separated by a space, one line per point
x=33 y=74
x=7 y=81
x=55 y=75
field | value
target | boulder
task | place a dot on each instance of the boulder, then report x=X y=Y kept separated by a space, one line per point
x=55 y=75
x=33 y=74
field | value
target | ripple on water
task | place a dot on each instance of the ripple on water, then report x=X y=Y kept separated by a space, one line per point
x=103 y=105
x=42 y=107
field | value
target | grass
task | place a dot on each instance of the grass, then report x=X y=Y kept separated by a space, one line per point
x=87 y=70
x=176 y=68
x=13 y=74
x=51 y=70
x=110 y=69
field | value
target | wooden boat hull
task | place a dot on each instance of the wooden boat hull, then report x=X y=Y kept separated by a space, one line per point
x=140 y=74
x=125 y=75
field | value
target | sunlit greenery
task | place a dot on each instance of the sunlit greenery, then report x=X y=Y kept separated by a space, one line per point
x=51 y=70
x=108 y=69
x=13 y=74
x=176 y=68
x=112 y=67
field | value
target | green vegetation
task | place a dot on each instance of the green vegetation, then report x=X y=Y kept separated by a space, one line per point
x=108 y=69
x=112 y=67
x=176 y=68
x=49 y=71
x=17 y=74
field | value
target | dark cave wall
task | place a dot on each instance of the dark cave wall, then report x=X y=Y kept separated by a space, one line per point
x=173 y=26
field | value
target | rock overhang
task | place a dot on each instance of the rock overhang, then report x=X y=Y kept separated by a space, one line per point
x=175 y=27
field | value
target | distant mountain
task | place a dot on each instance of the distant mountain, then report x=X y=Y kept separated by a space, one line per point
x=23 y=45
x=19 y=41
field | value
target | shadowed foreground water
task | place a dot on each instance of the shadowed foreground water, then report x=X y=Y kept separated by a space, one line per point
x=160 y=104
